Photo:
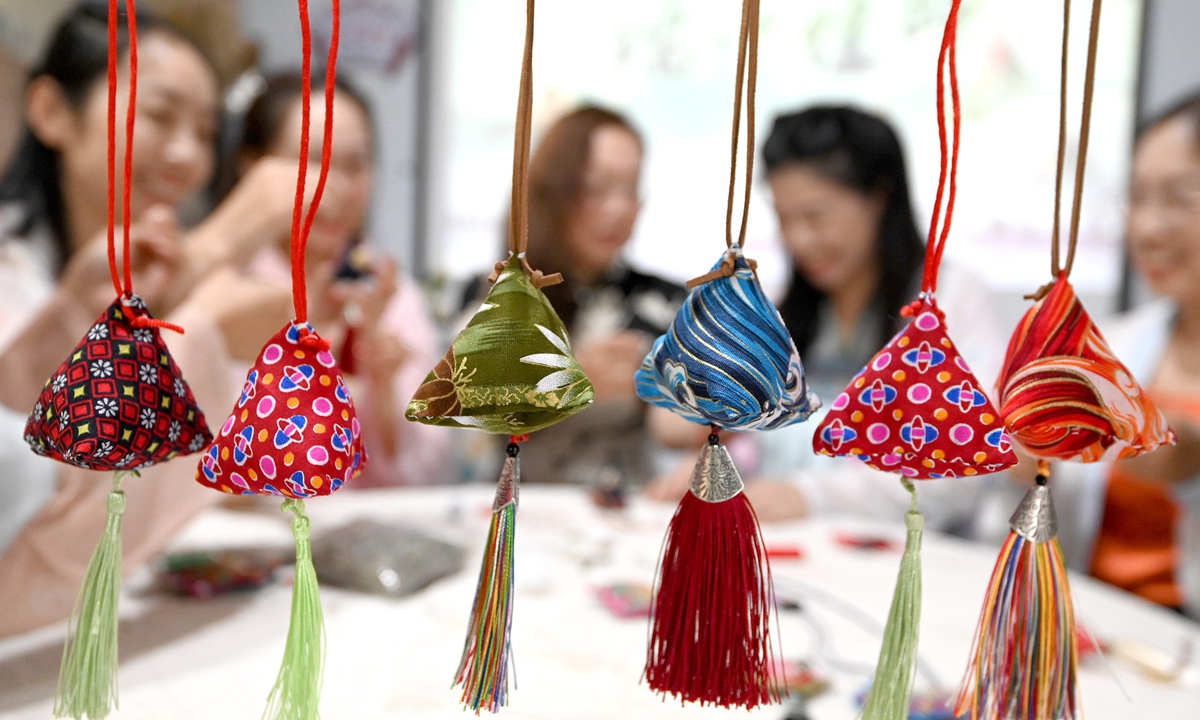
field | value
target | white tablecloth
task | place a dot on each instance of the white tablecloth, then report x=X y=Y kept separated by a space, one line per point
x=186 y=660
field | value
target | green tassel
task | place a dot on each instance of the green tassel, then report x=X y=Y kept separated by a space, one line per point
x=891 y=692
x=297 y=691
x=87 y=678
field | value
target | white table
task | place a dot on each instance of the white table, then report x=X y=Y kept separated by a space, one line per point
x=188 y=660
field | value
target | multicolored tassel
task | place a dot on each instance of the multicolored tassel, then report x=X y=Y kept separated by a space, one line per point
x=87 y=678
x=297 y=691
x=487 y=652
x=1024 y=660
x=896 y=671
x=711 y=637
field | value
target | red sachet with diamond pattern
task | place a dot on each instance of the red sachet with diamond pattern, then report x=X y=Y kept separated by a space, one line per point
x=917 y=409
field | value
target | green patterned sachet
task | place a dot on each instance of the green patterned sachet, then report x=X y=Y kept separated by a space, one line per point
x=510 y=370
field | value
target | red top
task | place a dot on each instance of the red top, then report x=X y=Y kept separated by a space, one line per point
x=1135 y=549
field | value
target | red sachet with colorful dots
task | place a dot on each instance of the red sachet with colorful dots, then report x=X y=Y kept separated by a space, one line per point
x=917 y=409
x=293 y=431
x=118 y=402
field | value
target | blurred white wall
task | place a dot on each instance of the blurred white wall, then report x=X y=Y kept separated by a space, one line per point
x=669 y=64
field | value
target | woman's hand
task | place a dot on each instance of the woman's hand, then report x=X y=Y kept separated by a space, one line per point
x=776 y=501
x=84 y=291
x=154 y=253
x=671 y=486
x=246 y=310
x=256 y=214
x=611 y=362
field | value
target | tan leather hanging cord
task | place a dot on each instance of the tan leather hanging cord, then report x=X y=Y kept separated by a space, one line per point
x=747 y=72
x=518 y=214
x=1085 y=123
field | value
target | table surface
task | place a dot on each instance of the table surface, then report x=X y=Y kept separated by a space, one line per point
x=186 y=659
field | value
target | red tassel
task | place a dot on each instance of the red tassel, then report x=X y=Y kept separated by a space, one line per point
x=711 y=639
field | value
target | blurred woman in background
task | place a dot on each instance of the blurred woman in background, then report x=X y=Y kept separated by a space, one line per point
x=1136 y=523
x=54 y=281
x=584 y=200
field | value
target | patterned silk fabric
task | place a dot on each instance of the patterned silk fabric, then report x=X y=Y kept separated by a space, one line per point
x=728 y=360
x=511 y=370
x=917 y=409
x=1063 y=393
x=118 y=402
x=293 y=432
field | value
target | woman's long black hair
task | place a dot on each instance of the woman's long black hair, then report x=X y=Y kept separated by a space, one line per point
x=76 y=59
x=861 y=152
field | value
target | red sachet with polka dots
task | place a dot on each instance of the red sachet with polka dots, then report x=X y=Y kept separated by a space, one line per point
x=293 y=431
x=118 y=402
x=916 y=409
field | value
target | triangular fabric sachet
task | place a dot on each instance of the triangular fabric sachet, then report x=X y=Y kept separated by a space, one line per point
x=294 y=432
x=511 y=370
x=727 y=359
x=118 y=402
x=916 y=409
x=1065 y=395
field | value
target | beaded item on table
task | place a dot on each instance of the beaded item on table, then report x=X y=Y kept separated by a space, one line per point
x=1064 y=396
x=510 y=371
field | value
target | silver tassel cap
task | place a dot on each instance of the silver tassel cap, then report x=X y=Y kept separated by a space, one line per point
x=508 y=488
x=715 y=479
x=1035 y=519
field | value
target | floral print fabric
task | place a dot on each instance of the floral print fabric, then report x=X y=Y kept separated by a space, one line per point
x=511 y=370
x=118 y=402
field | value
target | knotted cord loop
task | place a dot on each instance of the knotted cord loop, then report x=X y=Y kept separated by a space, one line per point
x=939 y=225
x=1085 y=123
x=301 y=223
x=518 y=212
x=124 y=289
x=747 y=73
x=310 y=339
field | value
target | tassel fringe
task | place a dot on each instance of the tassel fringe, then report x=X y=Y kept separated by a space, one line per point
x=297 y=691
x=486 y=662
x=891 y=691
x=87 y=678
x=1024 y=660
x=711 y=638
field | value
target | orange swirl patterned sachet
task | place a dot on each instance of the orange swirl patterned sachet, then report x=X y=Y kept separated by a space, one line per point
x=1065 y=395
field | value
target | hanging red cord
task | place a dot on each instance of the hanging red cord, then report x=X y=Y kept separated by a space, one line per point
x=125 y=289
x=112 y=144
x=125 y=272
x=130 y=113
x=948 y=178
x=302 y=224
